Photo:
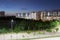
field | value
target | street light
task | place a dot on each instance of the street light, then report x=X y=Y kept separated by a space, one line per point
x=12 y=24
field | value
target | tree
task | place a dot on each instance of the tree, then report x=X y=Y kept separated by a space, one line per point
x=38 y=25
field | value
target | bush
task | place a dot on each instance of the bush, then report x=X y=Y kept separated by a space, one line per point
x=23 y=24
x=48 y=30
x=35 y=25
x=28 y=32
x=3 y=30
x=57 y=29
x=40 y=33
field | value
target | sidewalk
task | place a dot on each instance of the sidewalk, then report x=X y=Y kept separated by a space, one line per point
x=50 y=38
x=27 y=36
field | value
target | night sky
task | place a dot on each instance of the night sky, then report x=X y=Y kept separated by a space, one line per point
x=28 y=5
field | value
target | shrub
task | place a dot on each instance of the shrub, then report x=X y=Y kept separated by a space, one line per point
x=48 y=30
x=23 y=24
x=28 y=32
x=39 y=32
x=57 y=29
x=3 y=30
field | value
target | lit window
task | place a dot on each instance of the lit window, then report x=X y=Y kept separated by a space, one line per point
x=48 y=14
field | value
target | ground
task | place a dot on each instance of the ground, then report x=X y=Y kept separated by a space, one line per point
x=25 y=35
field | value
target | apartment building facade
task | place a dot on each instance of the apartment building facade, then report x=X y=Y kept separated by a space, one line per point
x=31 y=15
x=43 y=15
x=50 y=15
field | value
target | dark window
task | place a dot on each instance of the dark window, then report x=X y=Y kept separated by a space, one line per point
x=24 y=14
x=20 y=14
x=28 y=14
x=55 y=13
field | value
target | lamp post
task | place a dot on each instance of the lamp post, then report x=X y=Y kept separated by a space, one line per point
x=12 y=27
x=12 y=24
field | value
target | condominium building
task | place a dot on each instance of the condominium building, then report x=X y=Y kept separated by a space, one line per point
x=50 y=15
x=31 y=15
x=47 y=15
x=43 y=15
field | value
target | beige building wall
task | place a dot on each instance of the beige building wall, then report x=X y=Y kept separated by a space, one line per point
x=38 y=15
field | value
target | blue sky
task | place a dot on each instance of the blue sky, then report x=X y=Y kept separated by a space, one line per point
x=28 y=5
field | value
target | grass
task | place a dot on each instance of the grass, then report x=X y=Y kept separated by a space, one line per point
x=26 y=31
x=40 y=33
